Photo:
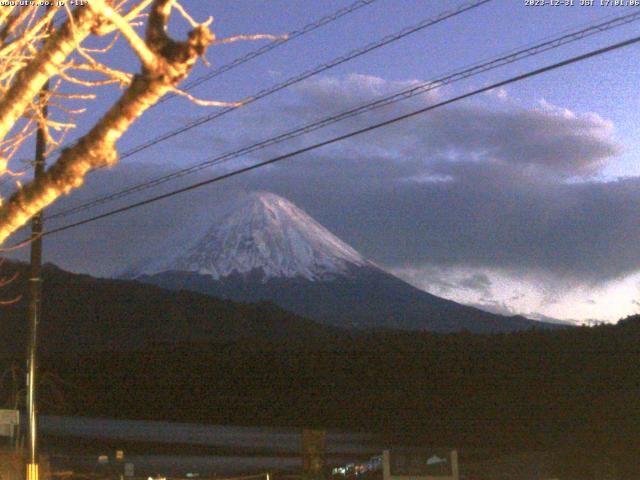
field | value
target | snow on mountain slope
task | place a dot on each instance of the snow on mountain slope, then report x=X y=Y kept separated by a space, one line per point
x=264 y=248
x=264 y=232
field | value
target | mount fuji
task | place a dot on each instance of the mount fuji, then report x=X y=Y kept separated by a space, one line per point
x=266 y=235
x=263 y=247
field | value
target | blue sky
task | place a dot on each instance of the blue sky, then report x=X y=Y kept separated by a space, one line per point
x=563 y=263
x=605 y=85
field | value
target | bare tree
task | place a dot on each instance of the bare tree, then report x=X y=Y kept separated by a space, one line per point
x=32 y=55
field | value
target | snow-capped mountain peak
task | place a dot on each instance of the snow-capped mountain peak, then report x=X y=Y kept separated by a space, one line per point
x=264 y=232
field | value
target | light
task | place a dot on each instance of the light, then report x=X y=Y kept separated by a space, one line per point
x=32 y=471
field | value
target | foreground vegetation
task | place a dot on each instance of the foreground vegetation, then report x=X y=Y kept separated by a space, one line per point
x=573 y=390
x=537 y=390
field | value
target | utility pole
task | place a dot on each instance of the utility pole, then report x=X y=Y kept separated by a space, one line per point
x=35 y=298
x=35 y=289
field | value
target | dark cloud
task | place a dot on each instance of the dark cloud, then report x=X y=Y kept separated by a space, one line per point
x=477 y=185
x=115 y=244
x=552 y=141
x=481 y=185
x=479 y=282
x=487 y=216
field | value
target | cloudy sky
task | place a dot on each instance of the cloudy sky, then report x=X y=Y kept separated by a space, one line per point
x=523 y=199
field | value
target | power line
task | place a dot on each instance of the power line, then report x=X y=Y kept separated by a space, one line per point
x=309 y=73
x=461 y=74
x=310 y=27
x=346 y=136
x=273 y=45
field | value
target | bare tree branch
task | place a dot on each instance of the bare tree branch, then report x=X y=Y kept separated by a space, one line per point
x=30 y=55
x=172 y=62
x=46 y=64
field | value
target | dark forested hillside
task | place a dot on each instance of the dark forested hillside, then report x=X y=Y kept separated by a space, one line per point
x=86 y=314
x=575 y=388
x=531 y=389
x=365 y=298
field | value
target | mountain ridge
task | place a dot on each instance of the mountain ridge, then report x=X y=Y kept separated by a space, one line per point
x=365 y=299
x=81 y=313
x=264 y=248
x=263 y=231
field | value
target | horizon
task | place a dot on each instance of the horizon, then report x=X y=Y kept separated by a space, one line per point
x=519 y=201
